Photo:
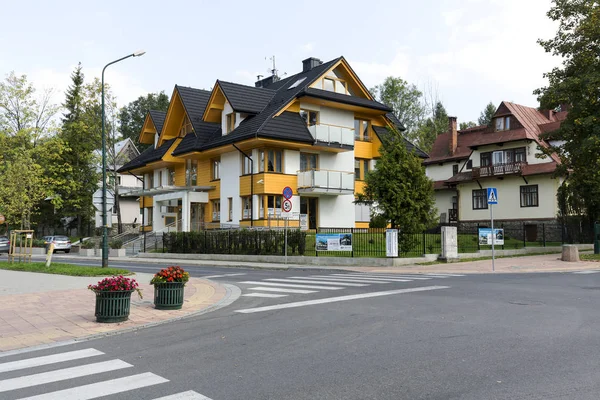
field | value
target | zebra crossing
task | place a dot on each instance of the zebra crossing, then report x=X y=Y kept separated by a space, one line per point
x=591 y=271
x=89 y=366
x=300 y=285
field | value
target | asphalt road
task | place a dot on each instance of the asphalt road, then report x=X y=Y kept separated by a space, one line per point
x=512 y=336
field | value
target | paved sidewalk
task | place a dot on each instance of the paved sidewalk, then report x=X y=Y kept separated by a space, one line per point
x=48 y=309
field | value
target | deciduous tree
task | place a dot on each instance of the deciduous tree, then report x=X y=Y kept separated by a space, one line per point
x=131 y=117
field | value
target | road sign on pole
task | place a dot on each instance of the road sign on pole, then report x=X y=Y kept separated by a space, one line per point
x=492 y=195
x=287 y=192
x=97 y=200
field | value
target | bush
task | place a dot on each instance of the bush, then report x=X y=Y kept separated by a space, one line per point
x=39 y=243
x=378 y=221
x=88 y=244
x=116 y=244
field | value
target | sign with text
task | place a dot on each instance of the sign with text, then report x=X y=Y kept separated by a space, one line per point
x=334 y=242
x=286 y=209
x=391 y=242
x=303 y=222
x=485 y=236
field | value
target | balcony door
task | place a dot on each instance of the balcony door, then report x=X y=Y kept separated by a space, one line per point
x=310 y=206
x=308 y=161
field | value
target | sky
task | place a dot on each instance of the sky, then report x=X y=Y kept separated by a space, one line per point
x=469 y=52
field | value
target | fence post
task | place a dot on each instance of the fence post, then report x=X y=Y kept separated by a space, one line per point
x=424 y=246
x=524 y=238
x=316 y=251
x=479 y=244
x=352 y=233
x=544 y=234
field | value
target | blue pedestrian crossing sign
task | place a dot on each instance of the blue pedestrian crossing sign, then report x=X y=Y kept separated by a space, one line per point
x=492 y=195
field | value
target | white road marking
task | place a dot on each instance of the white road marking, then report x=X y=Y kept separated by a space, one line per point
x=380 y=279
x=432 y=274
x=270 y=295
x=189 y=395
x=221 y=276
x=340 y=298
x=100 y=389
x=315 y=281
x=416 y=277
x=282 y=290
x=587 y=272
x=46 y=360
x=329 y=278
x=292 y=286
x=61 y=375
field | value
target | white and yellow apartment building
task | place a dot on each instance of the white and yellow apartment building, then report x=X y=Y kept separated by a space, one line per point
x=223 y=157
x=506 y=155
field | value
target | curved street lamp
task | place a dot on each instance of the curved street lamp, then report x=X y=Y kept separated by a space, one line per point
x=138 y=53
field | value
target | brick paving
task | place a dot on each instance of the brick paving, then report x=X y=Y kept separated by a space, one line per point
x=31 y=319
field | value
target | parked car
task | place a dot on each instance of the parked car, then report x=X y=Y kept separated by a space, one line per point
x=4 y=244
x=61 y=243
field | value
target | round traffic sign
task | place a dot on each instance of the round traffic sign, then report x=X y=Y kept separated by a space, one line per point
x=2 y=219
x=288 y=192
x=286 y=206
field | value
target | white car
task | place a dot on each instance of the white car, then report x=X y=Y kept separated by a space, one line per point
x=61 y=243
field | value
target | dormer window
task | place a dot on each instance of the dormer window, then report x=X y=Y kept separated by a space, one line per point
x=334 y=85
x=310 y=117
x=230 y=122
x=503 y=124
x=186 y=127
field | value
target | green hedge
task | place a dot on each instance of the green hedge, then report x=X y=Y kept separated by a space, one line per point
x=267 y=242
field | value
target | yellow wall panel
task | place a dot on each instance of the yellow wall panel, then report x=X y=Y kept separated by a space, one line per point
x=180 y=175
x=146 y=201
x=375 y=145
x=274 y=183
x=359 y=187
x=363 y=150
x=361 y=225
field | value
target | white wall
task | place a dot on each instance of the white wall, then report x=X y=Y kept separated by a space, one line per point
x=332 y=116
x=230 y=186
x=130 y=210
x=291 y=161
x=343 y=161
x=443 y=202
x=228 y=110
x=129 y=180
x=336 y=212
x=509 y=199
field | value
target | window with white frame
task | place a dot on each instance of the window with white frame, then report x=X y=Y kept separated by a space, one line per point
x=310 y=117
x=216 y=169
x=230 y=209
x=362 y=212
x=230 y=122
x=216 y=210
x=246 y=207
x=274 y=205
x=246 y=165
x=502 y=123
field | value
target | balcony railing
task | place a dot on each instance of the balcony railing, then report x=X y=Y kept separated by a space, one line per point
x=498 y=169
x=332 y=134
x=326 y=181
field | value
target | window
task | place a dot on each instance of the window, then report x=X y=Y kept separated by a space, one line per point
x=246 y=165
x=503 y=157
x=274 y=161
x=357 y=169
x=520 y=155
x=149 y=219
x=454 y=169
x=230 y=122
x=362 y=212
x=361 y=130
x=310 y=117
x=261 y=161
x=160 y=178
x=361 y=167
x=329 y=84
x=334 y=85
x=216 y=169
x=171 y=176
x=186 y=127
x=529 y=196
x=308 y=161
x=365 y=168
x=480 y=199
x=274 y=205
x=503 y=123
x=191 y=173
x=216 y=210
x=230 y=208
x=295 y=84
x=150 y=181
x=246 y=207
x=261 y=206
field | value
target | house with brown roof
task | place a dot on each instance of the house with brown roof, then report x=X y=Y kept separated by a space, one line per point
x=505 y=155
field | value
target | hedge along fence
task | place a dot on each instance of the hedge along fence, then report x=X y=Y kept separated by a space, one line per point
x=259 y=242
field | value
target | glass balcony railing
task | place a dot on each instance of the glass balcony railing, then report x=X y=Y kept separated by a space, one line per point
x=332 y=134
x=325 y=181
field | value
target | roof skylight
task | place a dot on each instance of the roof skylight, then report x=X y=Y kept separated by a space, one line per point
x=295 y=84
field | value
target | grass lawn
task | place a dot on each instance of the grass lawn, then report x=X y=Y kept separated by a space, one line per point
x=589 y=257
x=62 y=269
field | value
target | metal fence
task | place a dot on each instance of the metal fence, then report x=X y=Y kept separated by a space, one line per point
x=523 y=235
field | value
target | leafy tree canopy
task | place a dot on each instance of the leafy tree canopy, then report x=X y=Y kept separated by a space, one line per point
x=131 y=117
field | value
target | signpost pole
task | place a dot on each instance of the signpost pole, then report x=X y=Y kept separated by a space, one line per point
x=493 y=237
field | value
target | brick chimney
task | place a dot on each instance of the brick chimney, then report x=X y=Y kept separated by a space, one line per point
x=453 y=135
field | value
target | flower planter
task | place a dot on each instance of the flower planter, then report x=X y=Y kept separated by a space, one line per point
x=87 y=252
x=113 y=306
x=168 y=295
x=117 y=252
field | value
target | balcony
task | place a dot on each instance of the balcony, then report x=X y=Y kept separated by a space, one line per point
x=498 y=169
x=325 y=182
x=333 y=135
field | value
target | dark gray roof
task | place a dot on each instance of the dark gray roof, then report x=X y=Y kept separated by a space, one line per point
x=149 y=155
x=344 y=98
x=246 y=99
x=203 y=132
x=382 y=132
x=158 y=119
x=392 y=117
x=194 y=101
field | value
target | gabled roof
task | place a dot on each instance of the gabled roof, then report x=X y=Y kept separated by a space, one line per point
x=194 y=101
x=382 y=132
x=344 y=99
x=246 y=99
x=158 y=119
x=149 y=155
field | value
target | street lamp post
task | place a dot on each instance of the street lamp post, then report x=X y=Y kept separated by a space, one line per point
x=104 y=222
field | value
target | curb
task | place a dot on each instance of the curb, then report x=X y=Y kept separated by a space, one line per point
x=232 y=293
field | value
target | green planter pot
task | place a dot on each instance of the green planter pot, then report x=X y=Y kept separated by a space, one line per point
x=168 y=295
x=113 y=306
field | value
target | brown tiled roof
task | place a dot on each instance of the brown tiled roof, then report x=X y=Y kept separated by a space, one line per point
x=538 y=169
x=440 y=151
x=439 y=185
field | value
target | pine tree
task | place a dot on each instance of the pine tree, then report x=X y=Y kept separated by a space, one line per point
x=485 y=118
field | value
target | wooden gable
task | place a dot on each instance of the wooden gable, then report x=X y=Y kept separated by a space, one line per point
x=174 y=119
x=215 y=106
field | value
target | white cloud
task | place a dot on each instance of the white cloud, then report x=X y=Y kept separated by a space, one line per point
x=373 y=73
x=307 y=47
